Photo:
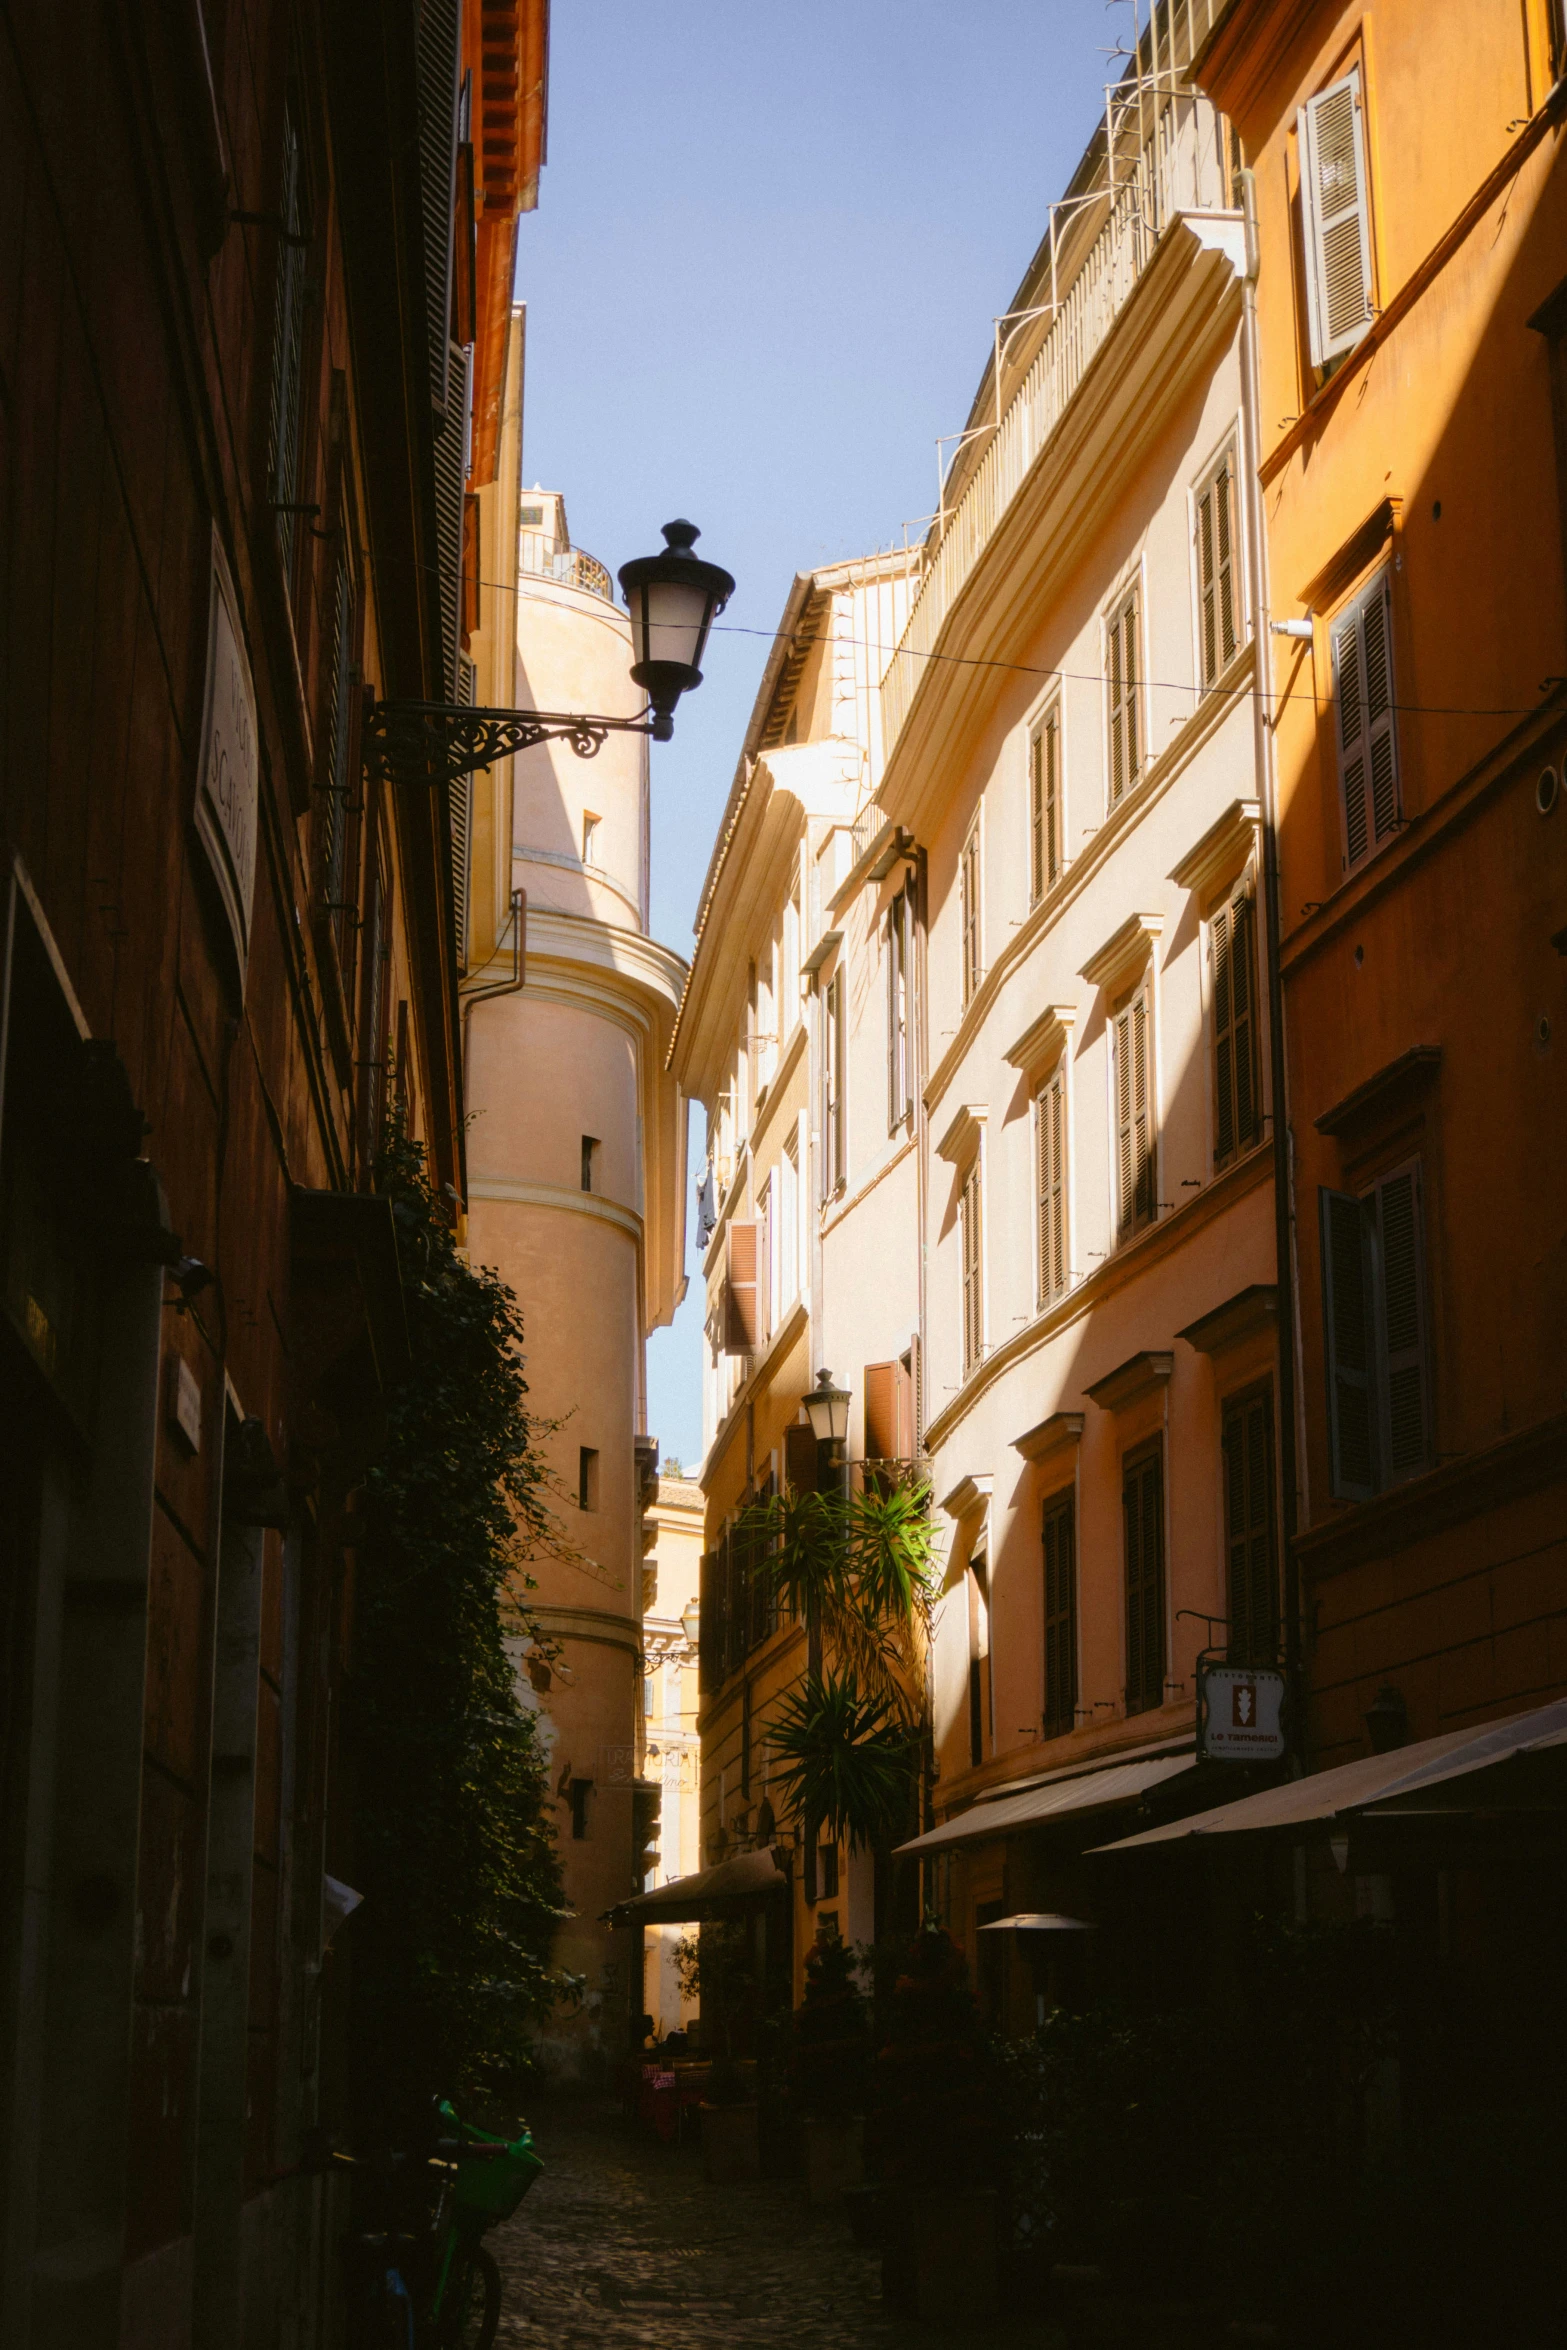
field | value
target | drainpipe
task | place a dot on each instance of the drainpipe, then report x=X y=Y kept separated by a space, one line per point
x=1267 y=775
x=917 y=1040
x=518 y=927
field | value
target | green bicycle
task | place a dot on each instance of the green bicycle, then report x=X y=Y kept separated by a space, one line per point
x=434 y=2286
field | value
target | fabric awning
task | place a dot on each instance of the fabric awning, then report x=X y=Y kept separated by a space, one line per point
x=1379 y=1786
x=1049 y=1799
x=1039 y=1921
x=744 y=1878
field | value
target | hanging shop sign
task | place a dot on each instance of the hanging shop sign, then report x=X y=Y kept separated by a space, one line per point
x=1240 y=1713
x=228 y=786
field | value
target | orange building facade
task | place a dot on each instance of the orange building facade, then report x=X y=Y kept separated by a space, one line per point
x=1410 y=207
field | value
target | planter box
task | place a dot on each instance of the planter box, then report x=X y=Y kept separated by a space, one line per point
x=941 y=2257
x=834 y=2156
x=730 y=2144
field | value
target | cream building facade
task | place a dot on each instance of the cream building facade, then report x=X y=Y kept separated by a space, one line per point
x=576 y=1159
x=1073 y=736
x=671 y=1752
x=809 y=1218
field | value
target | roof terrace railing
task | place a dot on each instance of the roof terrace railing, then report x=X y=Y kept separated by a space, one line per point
x=1166 y=151
x=546 y=558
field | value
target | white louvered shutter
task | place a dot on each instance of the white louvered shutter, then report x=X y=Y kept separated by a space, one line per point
x=1350 y=1340
x=1401 y=1320
x=1036 y=782
x=969 y=879
x=1044 y=761
x=1336 y=218
x=1367 y=732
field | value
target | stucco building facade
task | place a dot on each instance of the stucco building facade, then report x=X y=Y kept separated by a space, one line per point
x=579 y=1206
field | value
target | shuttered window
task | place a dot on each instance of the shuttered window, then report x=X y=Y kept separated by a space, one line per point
x=969 y=894
x=1250 y=1521
x=1044 y=792
x=1365 y=719
x=900 y=1089
x=971 y=1218
x=1336 y=218
x=1218 y=571
x=1123 y=670
x=1237 y=1113
x=459 y=818
x=833 y=1136
x=338 y=668
x=288 y=347
x=1377 y=1338
x=710 y=1628
x=740 y=1315
x=1132 y=1053
x=1142 y=1505
x=1399 y=1292
x=1050 y=1179
x=1060 y=1562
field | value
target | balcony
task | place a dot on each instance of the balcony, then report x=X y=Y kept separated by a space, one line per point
x=542 y=558
x=1163 y=151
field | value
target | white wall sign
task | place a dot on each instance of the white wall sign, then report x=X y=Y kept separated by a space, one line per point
x=1240 y=1713
x=228 y=786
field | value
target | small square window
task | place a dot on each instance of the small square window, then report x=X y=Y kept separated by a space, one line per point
x=587 y=1478
x=590 y=1151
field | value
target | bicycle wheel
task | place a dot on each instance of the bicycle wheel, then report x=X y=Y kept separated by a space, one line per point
x=473 y=2309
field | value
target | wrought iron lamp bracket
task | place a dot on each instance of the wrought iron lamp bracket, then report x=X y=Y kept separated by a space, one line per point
x=439 y=742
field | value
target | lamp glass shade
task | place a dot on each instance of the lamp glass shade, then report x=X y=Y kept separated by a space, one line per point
x=691 y=1620
x=827 y=1409
x=673 y=599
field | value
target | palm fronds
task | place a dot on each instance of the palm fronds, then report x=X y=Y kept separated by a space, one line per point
x=843 y=1759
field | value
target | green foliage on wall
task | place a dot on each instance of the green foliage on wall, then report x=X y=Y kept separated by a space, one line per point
x=454 y=1842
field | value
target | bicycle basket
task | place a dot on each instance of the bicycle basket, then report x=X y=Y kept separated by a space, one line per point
x=497 y=2183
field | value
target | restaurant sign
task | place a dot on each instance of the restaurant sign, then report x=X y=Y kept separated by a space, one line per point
x=1240 y=1713
x=227 y=788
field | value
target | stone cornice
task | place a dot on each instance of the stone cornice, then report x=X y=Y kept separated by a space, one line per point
x=1127 y=1264
x=1222 y=850
x=962 y=1137
x=1050 y=1436
x=1117 y=828
x=1124 y=952
x=1185 y=306
x=557 y=1195
x=1130 y=1381
x=617 y=958
x=1044 y=1040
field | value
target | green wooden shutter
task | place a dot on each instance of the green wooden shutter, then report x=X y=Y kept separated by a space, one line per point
x=1350 y=1345
x=1401 y=1325
x=1142 y=1498
x=1060 y=1561
x=708 y=1630
x=1249 y=1525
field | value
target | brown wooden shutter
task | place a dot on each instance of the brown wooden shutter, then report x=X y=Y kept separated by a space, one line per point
x=1367 y=738
x=800 y=1459
x=1401 y=1319
x=1134 y=1115
x=1142 y=1497
x=1050 y=1148
x=973 y=1299
x=903 y=1412
x=710 y=1631
x=1236 y=1115
x=881 y=1412
x=1060 y=1558
x=740 y=1320
x=1249 y=1527
x=1348 y=1333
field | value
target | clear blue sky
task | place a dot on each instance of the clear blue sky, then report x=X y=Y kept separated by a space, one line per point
x=769 y=244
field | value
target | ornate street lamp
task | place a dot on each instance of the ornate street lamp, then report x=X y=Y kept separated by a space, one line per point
x=827 y=1409
x=673 y=597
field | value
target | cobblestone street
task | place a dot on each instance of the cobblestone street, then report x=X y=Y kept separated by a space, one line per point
x=624 y=2241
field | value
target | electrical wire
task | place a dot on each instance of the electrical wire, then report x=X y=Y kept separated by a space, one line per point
x=1168 y=685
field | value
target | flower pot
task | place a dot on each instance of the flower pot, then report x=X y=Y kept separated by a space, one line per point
x=730 y=2145
x=941 y=2258
x=834 y=2155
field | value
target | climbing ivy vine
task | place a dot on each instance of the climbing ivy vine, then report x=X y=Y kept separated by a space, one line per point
x=453 y=1836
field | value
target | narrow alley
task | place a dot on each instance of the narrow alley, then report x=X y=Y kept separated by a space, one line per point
x=625 y=2242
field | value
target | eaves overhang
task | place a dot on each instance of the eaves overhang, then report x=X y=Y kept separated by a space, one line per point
x=1174 y=324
